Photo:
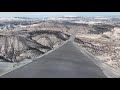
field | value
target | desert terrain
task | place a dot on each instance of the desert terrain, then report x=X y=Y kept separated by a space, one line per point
x=23 y=40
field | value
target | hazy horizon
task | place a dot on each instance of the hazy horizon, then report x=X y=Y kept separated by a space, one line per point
x=54 y=14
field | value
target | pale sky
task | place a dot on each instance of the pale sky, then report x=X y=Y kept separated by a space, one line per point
x=51 y=14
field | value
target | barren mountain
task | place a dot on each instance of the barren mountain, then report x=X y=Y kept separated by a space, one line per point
x=26 y=39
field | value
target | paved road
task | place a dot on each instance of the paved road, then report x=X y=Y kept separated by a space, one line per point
x=65 y=62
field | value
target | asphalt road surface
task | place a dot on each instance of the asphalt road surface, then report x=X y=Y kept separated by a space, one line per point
x=65 y=62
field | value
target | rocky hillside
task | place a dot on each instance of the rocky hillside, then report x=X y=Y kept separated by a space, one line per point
x=16 y=47
x=103 y=42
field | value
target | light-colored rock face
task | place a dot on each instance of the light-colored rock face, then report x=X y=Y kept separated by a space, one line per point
x=41 y=39
x=116 y=33
x=113 y=34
